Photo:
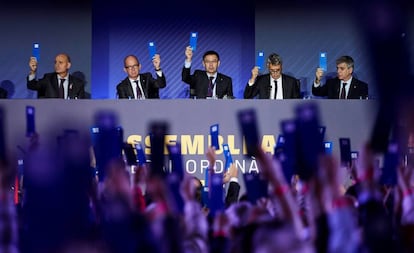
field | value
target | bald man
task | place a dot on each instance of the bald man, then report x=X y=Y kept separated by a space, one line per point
x=59 y=84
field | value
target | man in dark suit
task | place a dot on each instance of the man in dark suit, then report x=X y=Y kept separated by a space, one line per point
x=344 y=86
x=274 y=85
x=59 y=84
x=140 y=85
x=207 y=83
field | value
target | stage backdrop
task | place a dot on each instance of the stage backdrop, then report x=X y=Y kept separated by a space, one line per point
x=120 y=30
x=56 y=26
x=99 y=34
x=189 y=121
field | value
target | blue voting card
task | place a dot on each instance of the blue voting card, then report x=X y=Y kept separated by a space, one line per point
x=214 y=132
x=391 y=160
x=107 y=144
x=140 y=154
x=216 y=200
x=328 y=147
x=308 y=138
x=286 y=153
x=206 y=184
x=152 y=50
x=30 y=120
x=260 y=60
x=345 y=151
x=176 y=176
x=256 y=187
x=158 y=130
x=323 y=64
x=174 y=153
x=193 y=40
x=227 y=155
x=36 y=51
x=248 y=126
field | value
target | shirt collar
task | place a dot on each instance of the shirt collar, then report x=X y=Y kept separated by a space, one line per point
x=279 y=80
x=215 y=76
x=66 y=77
x=132 y=80
x=347 y=82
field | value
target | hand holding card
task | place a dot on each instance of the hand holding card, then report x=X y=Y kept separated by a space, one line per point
x=152 y=50
x=323 y=61
x=193 y=41
x=36 y=51
x=260 y=61
x=227 y=156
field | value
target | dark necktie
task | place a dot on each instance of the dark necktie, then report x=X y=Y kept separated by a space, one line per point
x=275 y=89
x=343 y=92
x=61 y=89
x=210 y=87
x=139 y=94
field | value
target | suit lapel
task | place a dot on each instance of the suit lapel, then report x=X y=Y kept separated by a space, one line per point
x=352 y=88
x=55 y=85
x=143 y=82
x=337 y=87
x=70 y=87
x=219 y=87
x=204 y=84
x=268 y=87
x=128 y=89
x=284 y=87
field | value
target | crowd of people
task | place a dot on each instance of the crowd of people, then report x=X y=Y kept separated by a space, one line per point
x=66 y=207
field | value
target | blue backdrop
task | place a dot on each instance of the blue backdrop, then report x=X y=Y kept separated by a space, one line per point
x=121 y=30
x=98 y=35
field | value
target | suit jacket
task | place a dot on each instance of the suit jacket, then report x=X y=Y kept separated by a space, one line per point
x=261 y=87
x=332 y=87
x=150 y=86
x=199 y=81
x=3 y=93
x=49 y=88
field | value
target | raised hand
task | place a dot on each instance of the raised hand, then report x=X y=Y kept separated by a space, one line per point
x=188 y=54
x=33 y=65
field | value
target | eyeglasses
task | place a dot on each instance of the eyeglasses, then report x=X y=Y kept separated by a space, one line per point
x=132 y=67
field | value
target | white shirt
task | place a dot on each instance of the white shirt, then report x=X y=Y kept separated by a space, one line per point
x=279 y=94
x=214 y=81
x=65 y=85
x=134 y=88
x=348 y=84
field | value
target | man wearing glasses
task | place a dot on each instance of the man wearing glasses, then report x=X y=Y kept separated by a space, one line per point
x=274 y=85
x=207 y=83
x=140 y=85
